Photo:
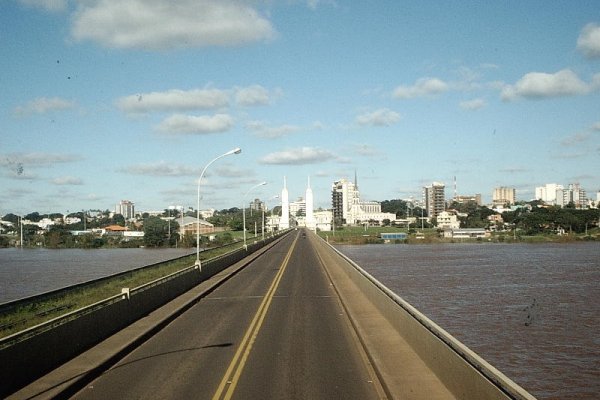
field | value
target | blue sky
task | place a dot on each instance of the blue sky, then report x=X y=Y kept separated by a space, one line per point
x=104 y=100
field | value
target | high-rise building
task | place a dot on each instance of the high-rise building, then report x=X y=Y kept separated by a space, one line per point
x=434 y=199
x=504 y=195
x=126 y=209
x=574 y=194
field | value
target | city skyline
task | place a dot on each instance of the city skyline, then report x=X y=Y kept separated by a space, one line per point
x=97 y=108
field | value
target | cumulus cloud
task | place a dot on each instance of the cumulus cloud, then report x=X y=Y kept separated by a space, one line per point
x=588 y=41
x=576 y=138
x=67 y=181
x=229 y=171
x=255 y=95
x=36 y=159
x=48 y=5
x=43 y=105
x=298 y=156
x=472 y=105
x=538 y=85
x=190 y=124
x=160 y=169
x=263 y=130
x=174 y=100
x=382 y=117
x=164 y=25
x=422 y=87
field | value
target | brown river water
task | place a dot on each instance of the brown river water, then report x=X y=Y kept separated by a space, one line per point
x=531 y=310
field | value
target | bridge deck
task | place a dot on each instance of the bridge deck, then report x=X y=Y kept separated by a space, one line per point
x=285 y=323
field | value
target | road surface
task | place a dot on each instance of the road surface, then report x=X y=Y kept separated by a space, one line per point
x=276 y=330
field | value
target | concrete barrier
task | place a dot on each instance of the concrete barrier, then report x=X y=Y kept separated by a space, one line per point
x=29 y=354
x=462 y=371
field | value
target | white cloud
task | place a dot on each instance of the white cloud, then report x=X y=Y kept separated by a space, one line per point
x=422 y=87
x=596 y=126
x=471 y=105
x=229 y=171
x=588 y=41
x=67 y=181
x=537 y=85
x=190 y=124
x=298 y=156
x=160 y=169
x=48 y=5
x=42 y=105
x=174 y=100
x=382 y=117
x=163 y=24
x=255 y=95
x=263 y=130
x=576 y=138
x=22 y=160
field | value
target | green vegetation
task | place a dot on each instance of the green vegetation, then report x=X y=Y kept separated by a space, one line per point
x=34 y=313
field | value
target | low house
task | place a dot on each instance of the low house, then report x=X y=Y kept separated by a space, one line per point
x=466 y=233
x=388 y=237
x=189 y=225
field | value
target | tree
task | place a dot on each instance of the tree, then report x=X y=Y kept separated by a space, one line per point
x=397 y=206
x=58 y=237
x=33 y=217
x=156 y=232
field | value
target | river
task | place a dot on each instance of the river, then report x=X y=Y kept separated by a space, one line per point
x=531 y=310
x=26 y=272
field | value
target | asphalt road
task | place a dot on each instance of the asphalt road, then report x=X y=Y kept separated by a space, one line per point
x=276 y=330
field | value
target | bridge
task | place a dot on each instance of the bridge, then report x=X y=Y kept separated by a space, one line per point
x=294 y=320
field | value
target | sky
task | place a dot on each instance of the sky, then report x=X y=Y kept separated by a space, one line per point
x=109 y=100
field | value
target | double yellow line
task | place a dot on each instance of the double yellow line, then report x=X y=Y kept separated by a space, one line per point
x=234 y=371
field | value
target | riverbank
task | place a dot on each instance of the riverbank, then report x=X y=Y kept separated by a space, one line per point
x=372 y=235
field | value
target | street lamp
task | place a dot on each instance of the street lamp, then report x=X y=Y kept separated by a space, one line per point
x=244 y=210
x=237 y=150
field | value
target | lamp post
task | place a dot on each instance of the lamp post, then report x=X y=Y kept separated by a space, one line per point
x=237 y=150
x=244 y=210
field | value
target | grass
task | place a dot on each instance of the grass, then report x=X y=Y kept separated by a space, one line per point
x=34 y=313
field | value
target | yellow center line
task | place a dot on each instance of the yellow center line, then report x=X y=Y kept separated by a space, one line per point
x=238 y=362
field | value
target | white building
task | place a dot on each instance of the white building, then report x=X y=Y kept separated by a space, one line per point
x=323 y=220
x=447 y=220
x=574 y=194
x=284 y=221
x=310 y=217
x=548 y=193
